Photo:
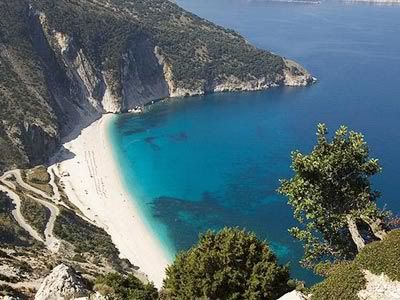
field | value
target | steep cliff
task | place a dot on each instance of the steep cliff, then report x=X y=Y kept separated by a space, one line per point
x=64 y=63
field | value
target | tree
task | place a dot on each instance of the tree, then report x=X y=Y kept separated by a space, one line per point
x=124 y=287
x=332 y=197
x=230 y=264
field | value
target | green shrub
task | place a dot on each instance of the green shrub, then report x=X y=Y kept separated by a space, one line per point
x=230 y=264
x=343 y=284
x=124 y=287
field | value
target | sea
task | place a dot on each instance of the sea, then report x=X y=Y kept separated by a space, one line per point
x=200 y=163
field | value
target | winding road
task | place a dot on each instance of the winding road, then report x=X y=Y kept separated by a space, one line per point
x=51 y=242
x=16 y=212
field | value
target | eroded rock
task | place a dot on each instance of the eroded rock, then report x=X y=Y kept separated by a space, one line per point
x=62 y=283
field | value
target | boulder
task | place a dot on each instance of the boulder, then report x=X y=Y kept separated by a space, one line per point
x=294 y=295
x=62 y=283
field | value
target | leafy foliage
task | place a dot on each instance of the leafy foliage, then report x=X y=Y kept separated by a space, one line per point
x=230 y=264
x=121 y=287
x=329 y=185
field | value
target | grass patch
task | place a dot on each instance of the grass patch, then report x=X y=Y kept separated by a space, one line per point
x=344 y=282
x=39 y=178
x=382 y=257
x=38 y=175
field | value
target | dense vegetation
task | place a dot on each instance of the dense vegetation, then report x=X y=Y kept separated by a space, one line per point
x=332 y=197
x=230 y=264
x=36 y=214
x=124 y=287
x=86 y=238
x=198 y=51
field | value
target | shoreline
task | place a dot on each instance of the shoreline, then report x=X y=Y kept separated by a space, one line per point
x=94 y=183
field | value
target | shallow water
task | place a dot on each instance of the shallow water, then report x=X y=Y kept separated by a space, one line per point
x=214 y=161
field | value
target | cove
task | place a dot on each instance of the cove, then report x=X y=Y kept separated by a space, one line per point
x=211 y=161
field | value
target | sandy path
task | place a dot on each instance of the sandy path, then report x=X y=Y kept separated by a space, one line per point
x=51 y=242
x=16 y=212
x=22 y=183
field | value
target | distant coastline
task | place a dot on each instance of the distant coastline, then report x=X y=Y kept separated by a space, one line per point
x=93 y=183
x=377 y=2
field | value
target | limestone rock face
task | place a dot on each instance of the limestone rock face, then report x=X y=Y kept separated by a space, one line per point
x=62 y=283
x=296 y=75
x=379 y=287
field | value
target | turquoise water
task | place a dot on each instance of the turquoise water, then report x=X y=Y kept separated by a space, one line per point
x=214 y=161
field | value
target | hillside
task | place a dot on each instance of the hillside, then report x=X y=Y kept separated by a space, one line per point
x=373 y=274
x=40 y=228
x=64 y=63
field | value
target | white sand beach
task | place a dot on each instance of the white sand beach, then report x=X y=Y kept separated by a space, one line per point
x=94 y=184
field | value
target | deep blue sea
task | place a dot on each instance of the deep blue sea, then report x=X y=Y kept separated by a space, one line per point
x=214 y=161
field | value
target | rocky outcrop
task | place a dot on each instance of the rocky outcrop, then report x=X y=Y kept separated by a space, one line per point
x=379 y=287
x=62 y=283
x=296 y=75
x=294 y=295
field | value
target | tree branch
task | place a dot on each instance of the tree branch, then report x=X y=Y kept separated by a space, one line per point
x=355 y=234
x=376 y=226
